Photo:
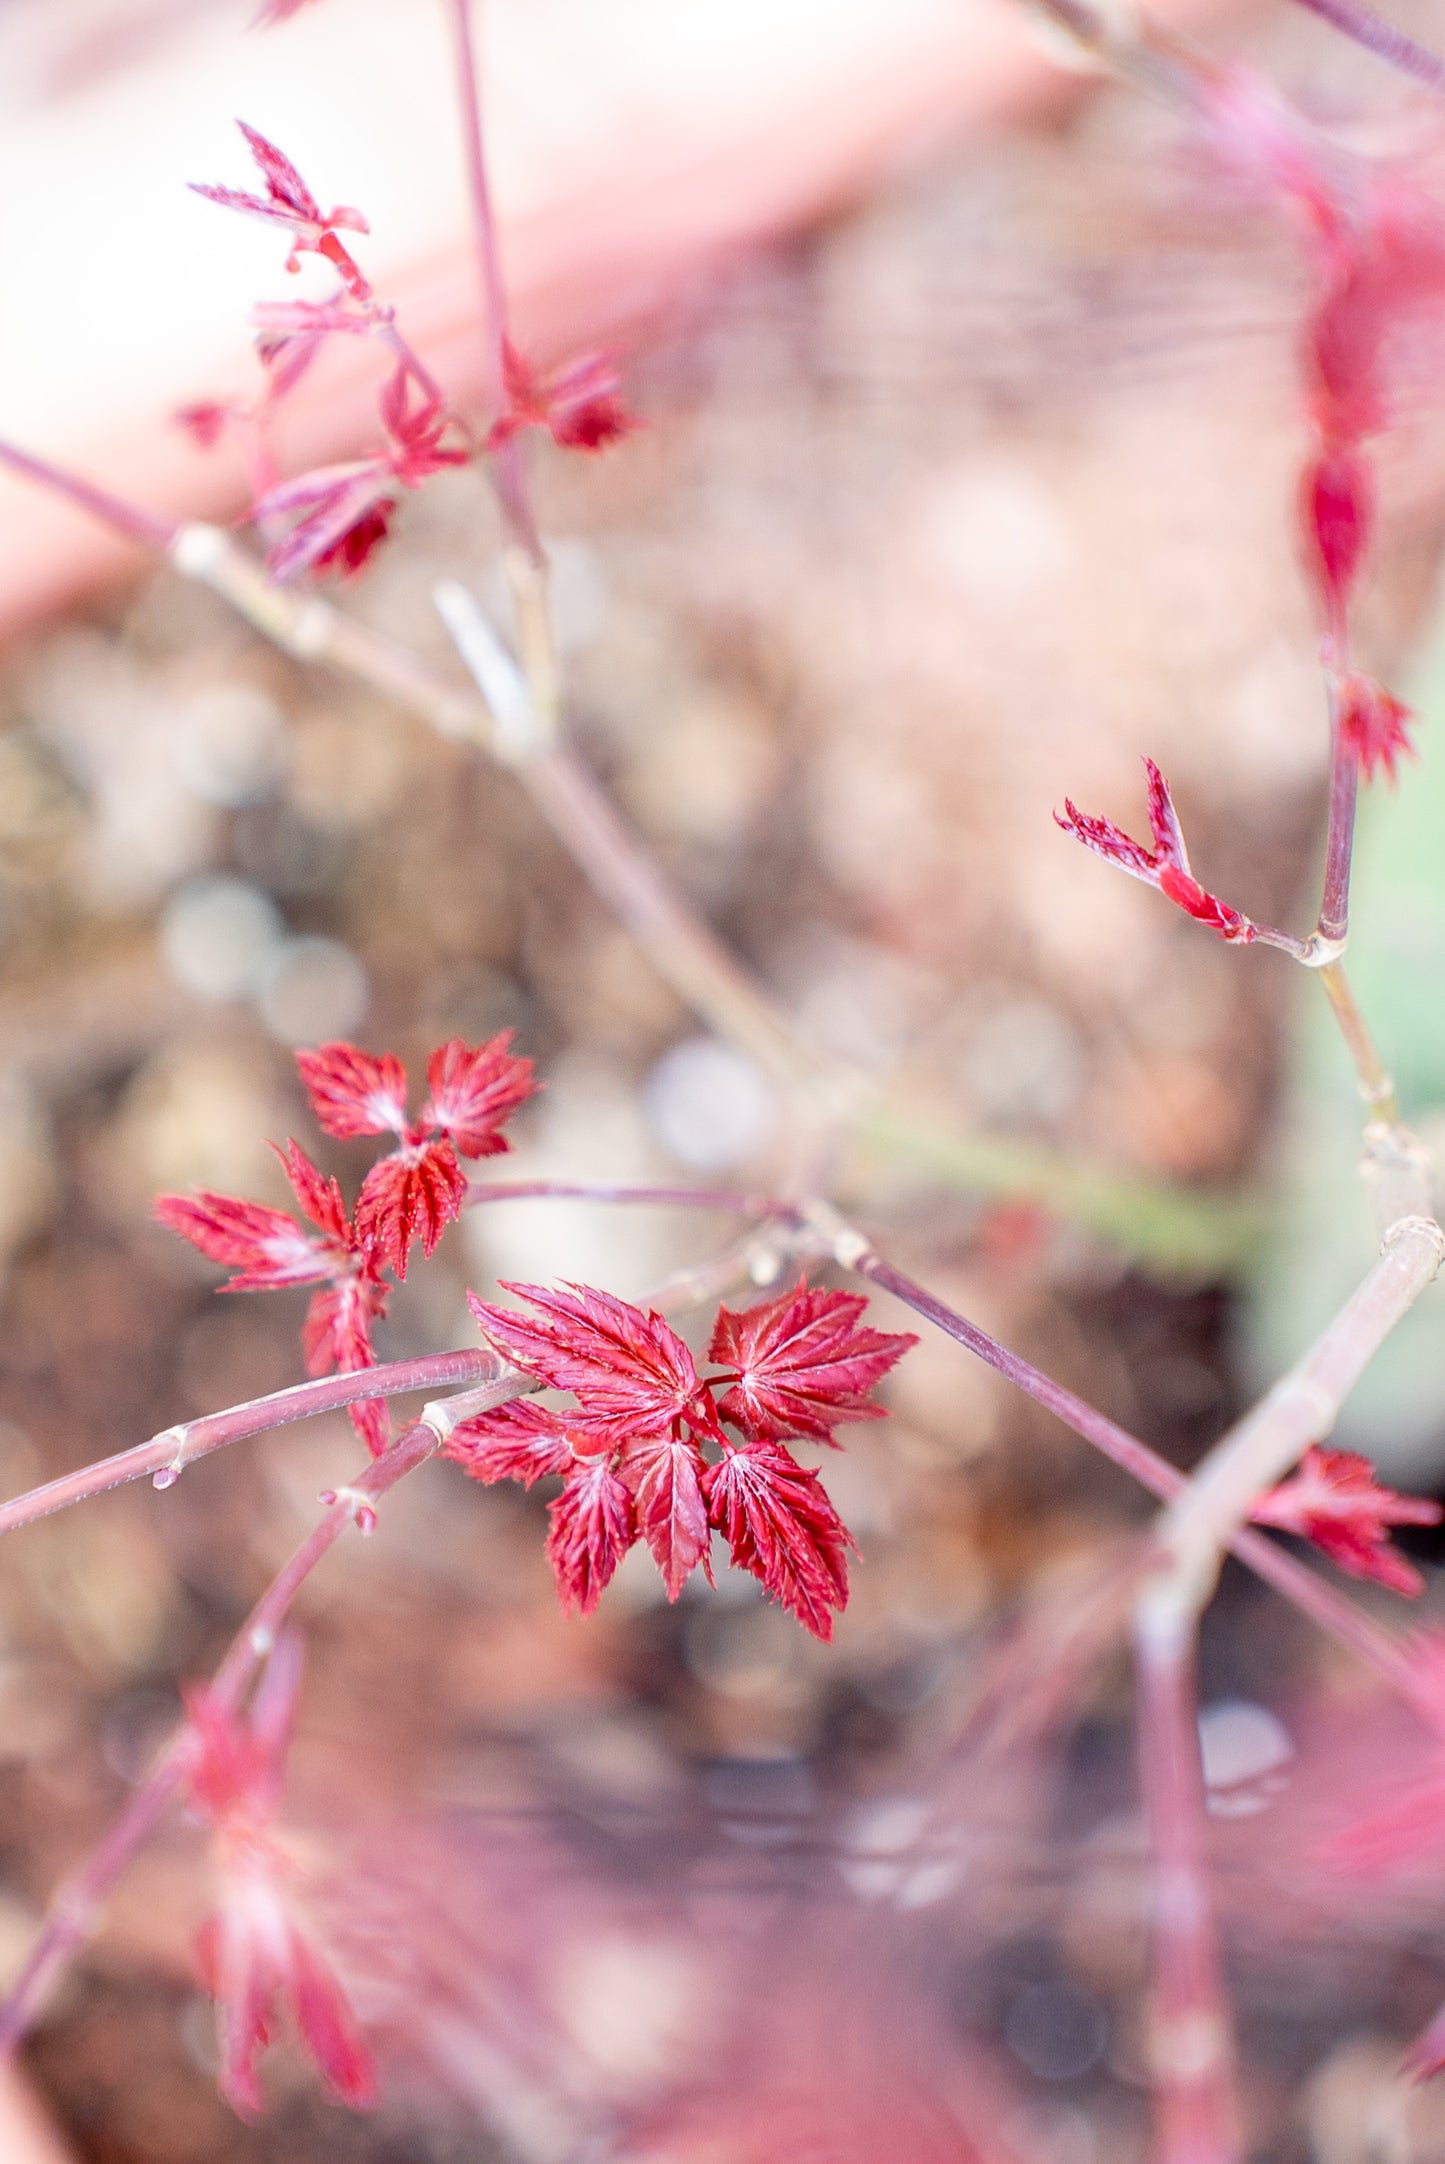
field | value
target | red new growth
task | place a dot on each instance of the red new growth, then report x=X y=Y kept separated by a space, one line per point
x=267 y=1248
x=340 y=513
x=1165 y=866
x=290 y=334
x=414 y=1192
x=579 y=404
x=420 y=1187
x=801 y=1365
x=256 y=1953
x=1335 y=1501
x=289 y=202
x=780 y=1525
x=632 y=1449
x=630 y=1371
x=1373 y=724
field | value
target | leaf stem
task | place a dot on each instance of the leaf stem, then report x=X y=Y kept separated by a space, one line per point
x=508 y=462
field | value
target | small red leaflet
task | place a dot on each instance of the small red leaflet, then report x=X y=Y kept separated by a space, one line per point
x=630 y=1371
x=1373 y=724
x=801 y=1364
x=340 y=513
x=1335 y=1500
x=578 y=404
x=287 y=202
x=780 y=1525
x=1165 y=866
x=593 y=1526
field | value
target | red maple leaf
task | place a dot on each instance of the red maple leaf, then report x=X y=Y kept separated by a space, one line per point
x=266 y=1248
x=629 y=1369
x=474 y=1090
x=1372 y=723
x=593 y=1526
x=1165 y=866
x=800 y=1364
x=578 y=404
x=354 y=1093
x=779 y=1524
x=1334 y=1500
x=520 y=1440
x=418 y=1189
x=256 y=1953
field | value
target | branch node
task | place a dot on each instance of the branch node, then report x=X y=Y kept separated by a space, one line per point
x=842 y=1241
x=166 y=1476
x=362 y=1508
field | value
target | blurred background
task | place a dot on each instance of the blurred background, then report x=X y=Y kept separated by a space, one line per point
x=966 y=476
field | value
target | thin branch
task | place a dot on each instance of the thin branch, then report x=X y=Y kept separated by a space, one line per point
x=1299 y=1410
x=1394 y=46
x=127 y=518
x=735 y=1202
x=484 y=224
x=509 y=459
x=166 y=1455
x=1193 y=2052
x=1377 y=1086
x=1191 y=2041
x=1311 y=1595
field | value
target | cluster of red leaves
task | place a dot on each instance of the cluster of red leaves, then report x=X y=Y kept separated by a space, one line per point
x=340 y=514
x=332 y=518
x=1334 y=1499
x=412 y=1193
x=632 y=1450
x=1165 y=866
x=258 y=1954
